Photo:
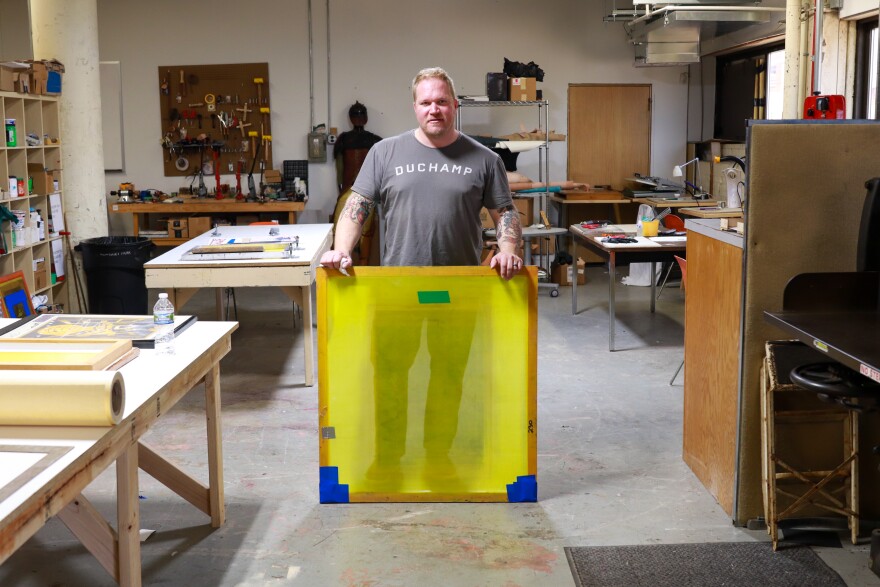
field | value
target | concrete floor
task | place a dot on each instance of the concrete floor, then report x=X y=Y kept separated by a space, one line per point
x=610 y=471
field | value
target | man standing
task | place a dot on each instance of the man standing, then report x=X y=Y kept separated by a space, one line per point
x=431 y=183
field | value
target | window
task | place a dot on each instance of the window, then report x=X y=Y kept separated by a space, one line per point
x=775 y=84
x=748 y=85
x=866 y=100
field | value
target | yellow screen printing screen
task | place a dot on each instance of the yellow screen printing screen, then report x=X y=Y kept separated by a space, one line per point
x=427 y=382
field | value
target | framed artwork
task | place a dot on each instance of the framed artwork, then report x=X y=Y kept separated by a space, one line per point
x=140 y=330
x=427 y=385
x=15 y=300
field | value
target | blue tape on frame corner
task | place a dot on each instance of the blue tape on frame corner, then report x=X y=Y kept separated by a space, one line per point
x=525 y=488
x=329 y=489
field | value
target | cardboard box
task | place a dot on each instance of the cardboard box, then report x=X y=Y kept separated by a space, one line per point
x=41 y=274
x=45 y=76
x=198 y=225
x=38 y=77
x=562 y=274
x=522 y=89
x=10 y=72
x=178 y=228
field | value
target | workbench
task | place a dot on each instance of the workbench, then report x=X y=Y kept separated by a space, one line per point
x=182 y=276
x=645 y=250
x=76 y=455
x=202 y=207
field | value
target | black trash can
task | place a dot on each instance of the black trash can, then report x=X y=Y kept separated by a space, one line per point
x=114 y=267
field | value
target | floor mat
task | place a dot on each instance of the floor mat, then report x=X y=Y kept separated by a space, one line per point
x=730 y=564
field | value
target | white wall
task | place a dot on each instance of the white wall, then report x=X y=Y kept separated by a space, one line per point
x=376 y=48
x=856 y=8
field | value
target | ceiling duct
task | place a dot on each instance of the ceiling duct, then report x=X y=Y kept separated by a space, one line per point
x=670 y=33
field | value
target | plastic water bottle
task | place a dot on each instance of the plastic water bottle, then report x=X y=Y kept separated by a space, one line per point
x=163 y=314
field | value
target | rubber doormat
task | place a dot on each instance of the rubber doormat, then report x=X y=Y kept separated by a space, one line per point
x=728 y=564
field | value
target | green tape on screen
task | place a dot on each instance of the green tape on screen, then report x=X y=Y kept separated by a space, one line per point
x=433 y=297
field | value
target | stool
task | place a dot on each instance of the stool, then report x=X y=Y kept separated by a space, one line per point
x=796 y=475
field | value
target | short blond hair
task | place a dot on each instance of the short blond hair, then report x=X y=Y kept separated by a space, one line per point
x=435 y=73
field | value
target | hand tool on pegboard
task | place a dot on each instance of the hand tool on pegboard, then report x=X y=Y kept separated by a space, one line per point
x=238 y=166
x=252 y=191
x=165 y=88
x=244 y=125
x=253 y=137
x=258 y=81
x=244 y=112
x=215 y=153
x=267 y=147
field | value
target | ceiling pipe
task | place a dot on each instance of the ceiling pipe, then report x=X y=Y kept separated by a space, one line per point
x=818 y=19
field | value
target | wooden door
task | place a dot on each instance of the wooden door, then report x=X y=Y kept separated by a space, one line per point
x=609 y=133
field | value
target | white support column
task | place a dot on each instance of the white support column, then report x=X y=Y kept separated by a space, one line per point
x=67 y=30
x=791 y=101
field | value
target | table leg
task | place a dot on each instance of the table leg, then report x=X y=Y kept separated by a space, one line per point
x=128 y=517
x=612 y=271
x=653 y=285
x=574 y=286
x=218 y=303
x=303 y=297
x=215 y=447
x=308 y=335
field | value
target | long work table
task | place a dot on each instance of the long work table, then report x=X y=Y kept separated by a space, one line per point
x=71 y=457
x=183 y=274
x=205 y=207
x=644 y=250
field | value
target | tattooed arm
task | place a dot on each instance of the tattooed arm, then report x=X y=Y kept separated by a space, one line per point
x=508 y=233
x=348 y=231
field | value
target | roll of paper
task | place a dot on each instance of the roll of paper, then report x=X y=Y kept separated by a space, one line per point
x=61 y=398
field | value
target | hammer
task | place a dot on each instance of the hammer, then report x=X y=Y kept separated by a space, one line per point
x=259 y=83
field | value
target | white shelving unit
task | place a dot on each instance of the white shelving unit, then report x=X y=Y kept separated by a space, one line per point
x=38 y=116
x=543 y=108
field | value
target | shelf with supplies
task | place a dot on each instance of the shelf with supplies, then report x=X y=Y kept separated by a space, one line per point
x=191 y=217
x=31 y=202
x=545 y=246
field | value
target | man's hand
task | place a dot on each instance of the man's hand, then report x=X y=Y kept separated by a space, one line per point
x=508 y=233
x=508 y=264
x=336 y=260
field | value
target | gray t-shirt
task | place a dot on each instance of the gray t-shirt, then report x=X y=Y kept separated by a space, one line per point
x=431 y=198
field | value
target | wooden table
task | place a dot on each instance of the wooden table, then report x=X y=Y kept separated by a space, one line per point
x=676 y=203
x=182 y=278
x=77 y=455
x=203 y=207
x=646 y=250
x=711 y=212
x=568 y=198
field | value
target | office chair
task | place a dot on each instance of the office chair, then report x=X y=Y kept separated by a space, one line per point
x=671 y=222
x=682 y=263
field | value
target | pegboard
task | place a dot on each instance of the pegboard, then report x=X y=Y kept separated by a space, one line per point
x=208 y=113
